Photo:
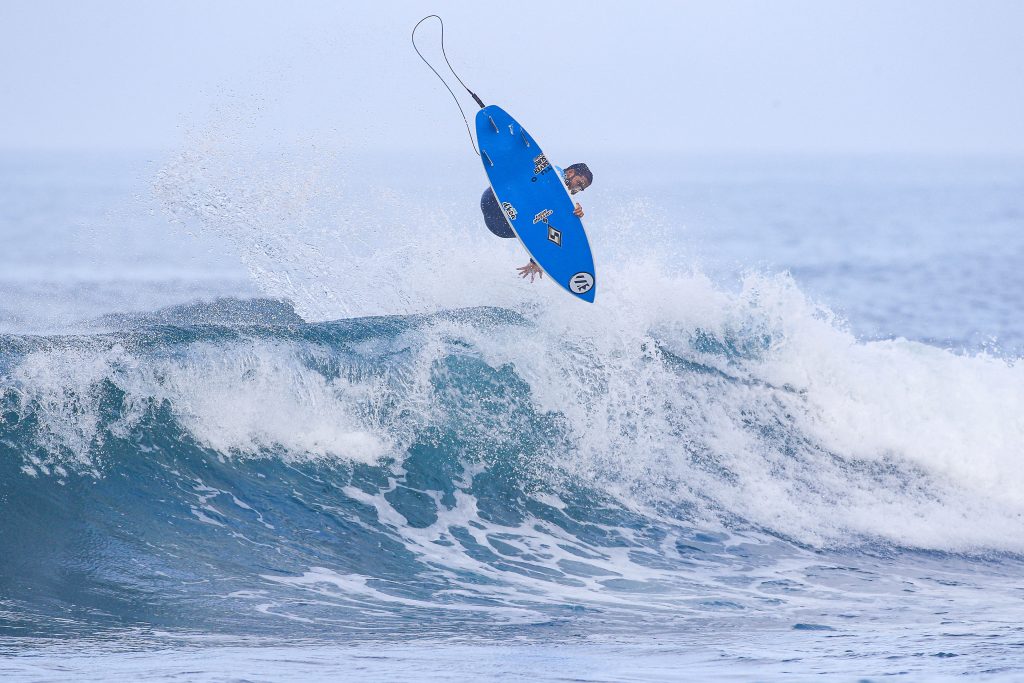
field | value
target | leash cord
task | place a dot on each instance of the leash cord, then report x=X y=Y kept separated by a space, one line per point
x=457 y=103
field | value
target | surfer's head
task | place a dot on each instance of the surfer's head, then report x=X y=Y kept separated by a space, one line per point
x=578 y=178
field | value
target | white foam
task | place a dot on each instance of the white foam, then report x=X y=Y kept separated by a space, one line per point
x=806 y=431
x=235 y=398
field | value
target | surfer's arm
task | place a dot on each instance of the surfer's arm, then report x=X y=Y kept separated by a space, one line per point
x=578 y=211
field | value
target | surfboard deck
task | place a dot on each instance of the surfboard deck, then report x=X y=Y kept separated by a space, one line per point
x=536 y=202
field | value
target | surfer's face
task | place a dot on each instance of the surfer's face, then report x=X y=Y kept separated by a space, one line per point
x=575 y=182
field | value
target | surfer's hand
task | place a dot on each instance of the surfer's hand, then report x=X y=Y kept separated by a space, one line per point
x=578 y=211
x=531 y=269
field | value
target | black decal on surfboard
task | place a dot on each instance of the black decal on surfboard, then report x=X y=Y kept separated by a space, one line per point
x=555 y=236
x=540 y=164
x=510 y=210
x=580 y=283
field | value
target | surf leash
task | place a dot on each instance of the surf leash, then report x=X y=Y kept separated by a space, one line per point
x=473 y=94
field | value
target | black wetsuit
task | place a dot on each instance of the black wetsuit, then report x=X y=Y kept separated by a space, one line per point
x=494 y=217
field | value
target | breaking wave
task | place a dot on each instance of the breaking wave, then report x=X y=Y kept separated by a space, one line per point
x=487 y=461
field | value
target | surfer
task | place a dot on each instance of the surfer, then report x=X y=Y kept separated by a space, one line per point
x=576 y=178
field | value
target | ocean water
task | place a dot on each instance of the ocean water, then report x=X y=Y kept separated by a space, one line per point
x=264 y=417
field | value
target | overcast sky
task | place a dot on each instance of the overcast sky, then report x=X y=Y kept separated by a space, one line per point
x=931 y=76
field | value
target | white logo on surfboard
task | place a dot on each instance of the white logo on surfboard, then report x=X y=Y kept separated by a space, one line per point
x=580 y=283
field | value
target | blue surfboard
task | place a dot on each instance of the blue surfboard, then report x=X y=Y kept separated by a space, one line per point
x=536 y=202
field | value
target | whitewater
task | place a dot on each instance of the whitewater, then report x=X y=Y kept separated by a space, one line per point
x=777 y=447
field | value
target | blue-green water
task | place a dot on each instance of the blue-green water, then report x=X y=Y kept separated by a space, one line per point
x=358 y=463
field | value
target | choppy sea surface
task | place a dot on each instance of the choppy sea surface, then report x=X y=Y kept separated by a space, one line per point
x=266 y=418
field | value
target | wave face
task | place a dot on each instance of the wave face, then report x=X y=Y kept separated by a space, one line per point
x=707 y=457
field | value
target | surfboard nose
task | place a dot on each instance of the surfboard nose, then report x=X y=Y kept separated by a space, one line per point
x=582 y=284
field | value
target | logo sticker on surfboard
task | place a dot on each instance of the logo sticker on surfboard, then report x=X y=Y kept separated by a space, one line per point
x=509 y=210
x=542 y=216
x=580 y=283
x=555 y=235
